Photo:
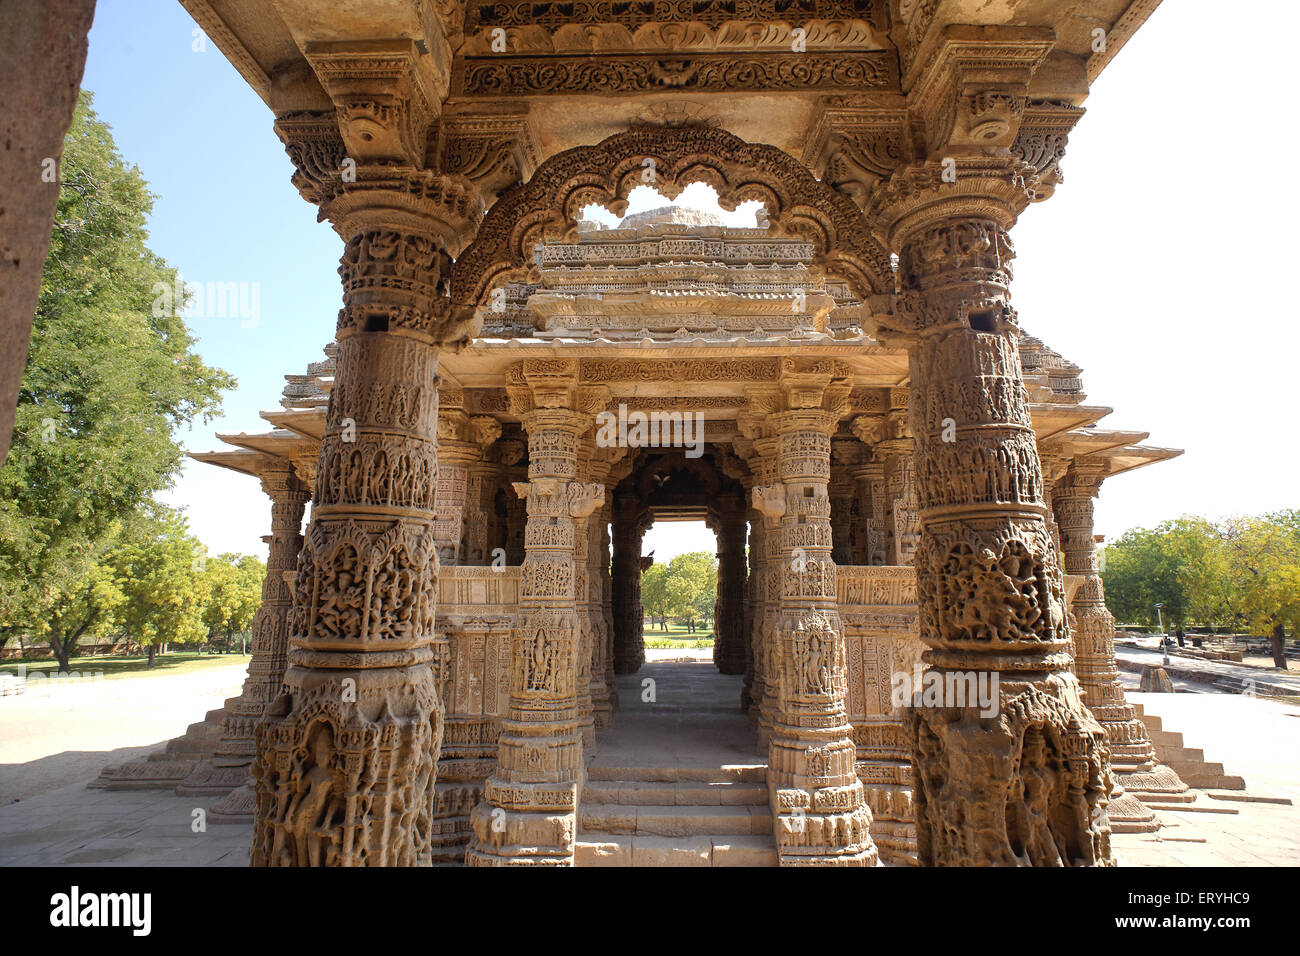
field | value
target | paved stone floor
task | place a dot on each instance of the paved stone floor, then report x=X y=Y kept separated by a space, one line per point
x=57 y=734
x=694 y=717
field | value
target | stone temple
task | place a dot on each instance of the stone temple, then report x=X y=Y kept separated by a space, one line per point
x=900 y=477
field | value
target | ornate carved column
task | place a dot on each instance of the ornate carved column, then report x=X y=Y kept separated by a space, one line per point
x=462 y=441
x=482 y=479
x=897 y=451
x=1029 y=785
x=767 y=500
x=346 y=754
x=1132 y=754
x=631 y=522
x=589 y=620
x=727 y=520
x=597 y=598
x=527 y=816
x=841 y=497
x=227 y=771
x=872 y=487
x=820 y=811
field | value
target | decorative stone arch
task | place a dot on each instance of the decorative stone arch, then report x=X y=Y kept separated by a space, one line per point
x=547 y=207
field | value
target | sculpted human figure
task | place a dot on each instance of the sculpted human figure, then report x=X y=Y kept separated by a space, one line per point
x=312 y=806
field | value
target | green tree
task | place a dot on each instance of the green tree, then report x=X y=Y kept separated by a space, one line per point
x=1264 y=576
x=655 y=598
x=109 y=376
x=692 y=584
x=233 y=588
x=1179 y=563
x=86 y=605
x=158 y=568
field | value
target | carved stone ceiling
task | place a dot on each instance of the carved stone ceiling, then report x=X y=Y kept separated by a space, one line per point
x=763 y=69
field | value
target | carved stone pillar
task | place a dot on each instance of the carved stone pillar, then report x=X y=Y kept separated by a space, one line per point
x=597 y=598
x=871 y=488
x=346 y=754
x=482 y=479
x=1030 y=784
x=528 y=813
x=841 y=497
x=1132 y=755
x=727 y=520
x=631 y=522
x=818 y=804
x=902 y=527
x=462 y=441
x=228 y=769
x=588 y=634
x=767 y=501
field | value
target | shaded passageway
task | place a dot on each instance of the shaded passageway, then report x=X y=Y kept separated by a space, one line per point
x=678 y=780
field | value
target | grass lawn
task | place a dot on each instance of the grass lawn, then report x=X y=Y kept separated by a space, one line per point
x=137 y=665
x=678 y=635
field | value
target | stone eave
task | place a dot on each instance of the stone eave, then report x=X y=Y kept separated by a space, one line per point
x=1130 y=457
x=302 y=423
x=1052 y=420
x=241 y=460
x=277 y=444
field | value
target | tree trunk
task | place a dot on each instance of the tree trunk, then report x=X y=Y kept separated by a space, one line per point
x=151 y=652
x=62 y=653
x=1277 y=641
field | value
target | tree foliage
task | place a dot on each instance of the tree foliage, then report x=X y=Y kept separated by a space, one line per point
x=685 y=588
x=108 y=379
x=1241 y=572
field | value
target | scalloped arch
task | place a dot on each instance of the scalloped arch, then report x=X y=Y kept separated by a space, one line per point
x=547 y=207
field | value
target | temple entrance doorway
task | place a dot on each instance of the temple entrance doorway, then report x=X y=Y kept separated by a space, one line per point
x=678 y=778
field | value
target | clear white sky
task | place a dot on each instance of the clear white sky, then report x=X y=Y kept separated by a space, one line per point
x=1164 y=265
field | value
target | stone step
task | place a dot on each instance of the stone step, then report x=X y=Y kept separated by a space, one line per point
x=1165 y=738
x=601 y=849
x=1182 y=767
x=724 y=773
x=1168 y=755
x=645 y=793
x=674 y=821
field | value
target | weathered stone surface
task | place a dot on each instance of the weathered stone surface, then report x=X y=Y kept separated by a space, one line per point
x=42 y=57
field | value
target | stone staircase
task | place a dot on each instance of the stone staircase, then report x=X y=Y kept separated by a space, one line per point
x=675 y=816
x=1188 y=762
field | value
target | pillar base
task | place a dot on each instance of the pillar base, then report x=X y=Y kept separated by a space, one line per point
x=238 y=806
x=1159 y=784
x=809 y=833
x=543 y=835
x=1026 y=783
x=345 y=768
x=1128 y=814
